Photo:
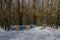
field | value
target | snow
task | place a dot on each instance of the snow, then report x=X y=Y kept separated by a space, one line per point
x=37 y=33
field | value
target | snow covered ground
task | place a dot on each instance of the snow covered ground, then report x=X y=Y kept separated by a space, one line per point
x=31 y=34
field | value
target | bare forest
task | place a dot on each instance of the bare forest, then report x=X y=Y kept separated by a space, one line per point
x=27 y=12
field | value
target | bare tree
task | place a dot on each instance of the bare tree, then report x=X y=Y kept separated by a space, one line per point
x=24 y=20
x=7 y=13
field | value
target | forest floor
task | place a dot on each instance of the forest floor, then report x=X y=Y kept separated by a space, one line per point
x=36 y=33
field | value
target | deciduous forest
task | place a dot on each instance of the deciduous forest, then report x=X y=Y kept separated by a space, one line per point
x=27 y=12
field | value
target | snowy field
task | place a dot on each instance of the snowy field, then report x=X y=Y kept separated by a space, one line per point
x=31 y=34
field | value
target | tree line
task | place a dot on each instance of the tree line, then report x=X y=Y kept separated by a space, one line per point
x=27 y=12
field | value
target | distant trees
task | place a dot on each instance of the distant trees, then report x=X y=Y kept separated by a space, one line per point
x=1 y=13
x=22 y=12
x=58 y=17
